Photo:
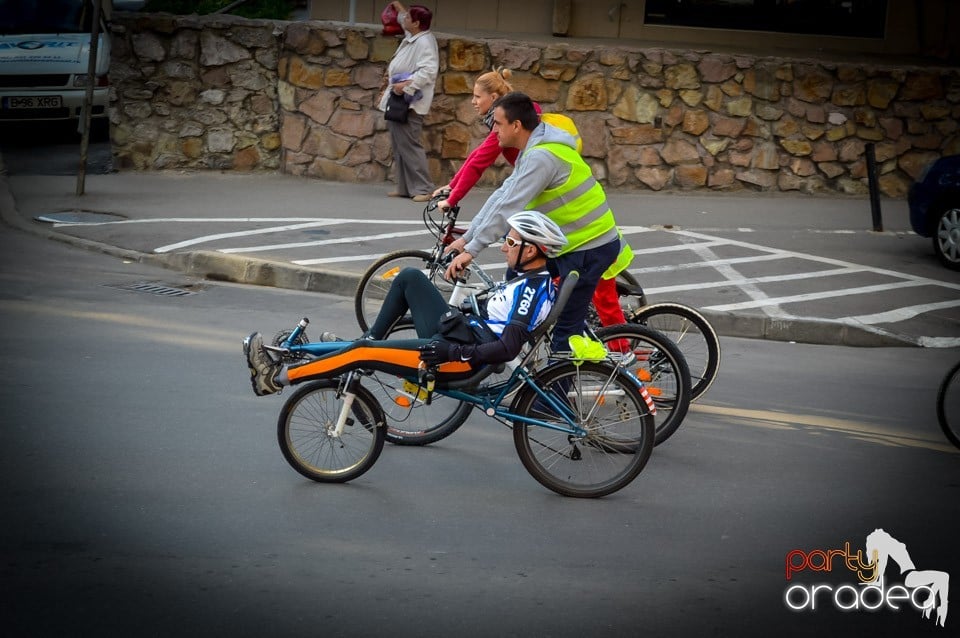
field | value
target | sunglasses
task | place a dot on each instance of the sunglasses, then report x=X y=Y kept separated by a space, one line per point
x=511 y=242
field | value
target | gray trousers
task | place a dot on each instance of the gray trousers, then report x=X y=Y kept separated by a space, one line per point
x=409 y=156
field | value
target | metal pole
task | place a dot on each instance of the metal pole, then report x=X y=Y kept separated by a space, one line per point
x=874 y=187
x=85 y=112
x=353 y=12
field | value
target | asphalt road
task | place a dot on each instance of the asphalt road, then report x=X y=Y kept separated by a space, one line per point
x=145 y=494
x=53 y=148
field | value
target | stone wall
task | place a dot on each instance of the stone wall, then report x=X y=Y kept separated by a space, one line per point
x=228 y=93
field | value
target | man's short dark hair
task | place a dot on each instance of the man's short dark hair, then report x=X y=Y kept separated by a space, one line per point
x=519 y=106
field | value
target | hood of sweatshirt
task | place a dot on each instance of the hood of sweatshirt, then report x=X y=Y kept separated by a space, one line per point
x=546 y=133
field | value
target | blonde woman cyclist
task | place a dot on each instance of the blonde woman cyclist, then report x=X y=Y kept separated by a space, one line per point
x=487 y=88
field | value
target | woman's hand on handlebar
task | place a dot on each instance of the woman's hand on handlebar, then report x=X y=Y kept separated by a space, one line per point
x=457 y=266
x=457 y=245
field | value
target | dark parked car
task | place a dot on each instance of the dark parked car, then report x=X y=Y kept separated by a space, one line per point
x=935 y=208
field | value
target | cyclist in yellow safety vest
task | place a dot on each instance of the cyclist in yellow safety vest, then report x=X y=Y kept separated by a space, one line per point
x=551 y=177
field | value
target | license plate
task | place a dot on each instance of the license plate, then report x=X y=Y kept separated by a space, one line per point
x=33 y=102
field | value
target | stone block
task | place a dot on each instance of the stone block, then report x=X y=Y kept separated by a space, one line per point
x=653 y=177
x=851 y=186
x=690 y=97
x=319 y=107
x=763 y=179
x=768 y=112
x=539 y=89
x=246 y=159
x=763 y=81
x=293 y=130
x=727 y=126
x=695 y=122
x=785 y=127
x=831 y=169
x=456 y=142
x=191 y=147
x=215 y=50
x=811 y=84
x=933 y=111
x=740 y=107
x=713 y=98
x=766 y=156
x=803 y=167
x=893 y=185
x=457 y=84
x=731 y=88
x=464 y=55
x=851 y=149
x=716 y=69
x=353 y=124
x=849 y=95
x=337 y=77
x=299 y=37
x=148 y=47
x=636 y=134
x=922 y=86
x=513 y=56
x=690 y=176
x=382 y=49
x=714 y=145
x=302 y=74
x=220 y=140
x=635 y=106
x=357 y=46
x=721 y=178
x=679 y=152
x=681 y=76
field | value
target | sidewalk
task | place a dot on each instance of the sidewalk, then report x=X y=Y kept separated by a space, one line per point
x=803 y=268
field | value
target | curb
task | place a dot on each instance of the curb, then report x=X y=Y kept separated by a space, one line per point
x=260 y=272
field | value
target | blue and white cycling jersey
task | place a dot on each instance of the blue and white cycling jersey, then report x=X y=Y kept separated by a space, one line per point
x=524 y=302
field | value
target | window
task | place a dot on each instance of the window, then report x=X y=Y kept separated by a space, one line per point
x=851 y=18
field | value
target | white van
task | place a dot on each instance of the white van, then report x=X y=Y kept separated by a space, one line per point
x=44 y=57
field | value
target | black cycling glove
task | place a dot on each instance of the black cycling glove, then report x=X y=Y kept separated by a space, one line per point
x=435 y=352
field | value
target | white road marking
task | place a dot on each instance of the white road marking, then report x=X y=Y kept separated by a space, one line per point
x=708 y=264
x=907 y=312
x=243 y=220
x=700 y=244
x=322 y=242
x=242 y=233
x=810 y=296
x=814 y=274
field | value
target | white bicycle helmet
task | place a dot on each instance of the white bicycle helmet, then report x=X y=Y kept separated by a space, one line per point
x=539 y=230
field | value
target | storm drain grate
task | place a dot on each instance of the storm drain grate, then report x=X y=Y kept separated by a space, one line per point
x=153 y=289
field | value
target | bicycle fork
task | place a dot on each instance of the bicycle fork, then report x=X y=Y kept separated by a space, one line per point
x=348 y=393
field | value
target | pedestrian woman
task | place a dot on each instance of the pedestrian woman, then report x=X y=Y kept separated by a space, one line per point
x=411 y=75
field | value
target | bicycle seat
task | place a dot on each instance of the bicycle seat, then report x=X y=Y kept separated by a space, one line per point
x=628 y=290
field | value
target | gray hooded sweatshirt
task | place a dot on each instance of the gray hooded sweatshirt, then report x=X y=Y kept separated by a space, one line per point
x=536 y=170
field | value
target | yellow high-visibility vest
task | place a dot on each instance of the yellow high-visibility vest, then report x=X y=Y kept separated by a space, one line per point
x=579 y=205
x=623 y=260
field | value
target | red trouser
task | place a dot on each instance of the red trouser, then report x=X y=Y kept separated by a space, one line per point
x=607 y=302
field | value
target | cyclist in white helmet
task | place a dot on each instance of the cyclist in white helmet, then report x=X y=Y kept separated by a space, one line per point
x=508 y=314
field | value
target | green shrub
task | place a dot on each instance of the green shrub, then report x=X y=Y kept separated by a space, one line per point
x=266 y=9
